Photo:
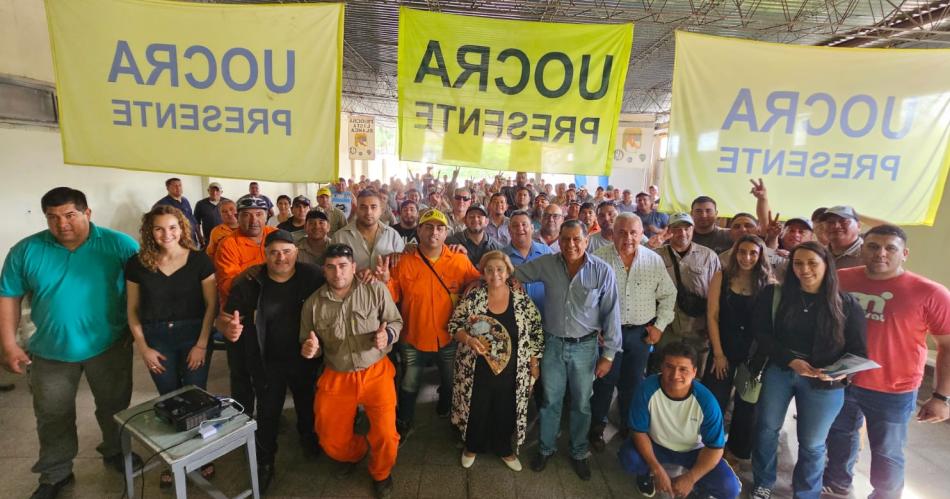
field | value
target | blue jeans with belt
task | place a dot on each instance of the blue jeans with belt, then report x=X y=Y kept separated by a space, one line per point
x=625 y=374
x=817 y=409
x=888 y=415
x=567 y=364
x=174 y=340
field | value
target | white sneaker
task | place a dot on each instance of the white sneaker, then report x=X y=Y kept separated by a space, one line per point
x=514 y=464
x=467 y=461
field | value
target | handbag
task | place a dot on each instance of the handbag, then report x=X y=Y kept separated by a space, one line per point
x=748 y=380
x=690 y=303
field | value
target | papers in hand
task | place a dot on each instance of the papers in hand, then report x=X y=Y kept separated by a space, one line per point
x=849 y=364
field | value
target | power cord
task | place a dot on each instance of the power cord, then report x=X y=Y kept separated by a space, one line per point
x=125 y=480
x=196 y=434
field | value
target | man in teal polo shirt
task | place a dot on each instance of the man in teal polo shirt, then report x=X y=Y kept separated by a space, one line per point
x=74 y=274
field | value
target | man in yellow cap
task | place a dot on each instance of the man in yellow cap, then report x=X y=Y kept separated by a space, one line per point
x=427 y=283
x=335 y=216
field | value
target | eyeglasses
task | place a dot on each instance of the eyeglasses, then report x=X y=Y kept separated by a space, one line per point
x=552 y=215
x=338 y=250
x=462 y=198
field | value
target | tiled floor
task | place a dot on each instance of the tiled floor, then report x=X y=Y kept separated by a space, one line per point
x=428 y=464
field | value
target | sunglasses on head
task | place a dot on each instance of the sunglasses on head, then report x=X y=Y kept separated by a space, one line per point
x=337 y=250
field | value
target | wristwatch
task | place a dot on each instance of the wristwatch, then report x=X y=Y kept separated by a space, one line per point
x=943 y=398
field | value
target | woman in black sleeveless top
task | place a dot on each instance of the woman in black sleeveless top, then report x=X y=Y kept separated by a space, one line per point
x=732 y=293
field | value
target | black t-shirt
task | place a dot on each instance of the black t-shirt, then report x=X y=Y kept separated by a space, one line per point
x=279 y=313
x=289 y=226
x=408 y=235
x=176 y=297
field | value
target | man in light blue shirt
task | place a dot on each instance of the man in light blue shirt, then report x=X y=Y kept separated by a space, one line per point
x=523 y=249
x=580 y=302
x=74 y=273
x=654 y=222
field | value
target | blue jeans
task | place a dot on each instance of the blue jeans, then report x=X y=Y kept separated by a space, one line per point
x=888 y=415
x=413 y=361
x=625 y=374
x=565 y=366
x=721 y=482
x=817 y=409
x=174 y=340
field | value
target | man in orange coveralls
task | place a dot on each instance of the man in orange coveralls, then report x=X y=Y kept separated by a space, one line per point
x=353 y=325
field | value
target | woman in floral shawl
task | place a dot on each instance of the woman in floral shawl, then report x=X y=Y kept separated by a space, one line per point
x=498 y=329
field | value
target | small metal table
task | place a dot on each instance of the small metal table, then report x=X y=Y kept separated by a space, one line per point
x=186 y=451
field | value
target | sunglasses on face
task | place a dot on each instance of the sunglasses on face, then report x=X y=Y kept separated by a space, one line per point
x=462 y=198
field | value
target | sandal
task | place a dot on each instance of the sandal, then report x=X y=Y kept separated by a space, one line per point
x=165 y=480
x=207 y=471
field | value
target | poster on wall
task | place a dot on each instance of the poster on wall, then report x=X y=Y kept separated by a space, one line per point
x=634 y=145
x=362 y=137
x=510 y=95
x=874 y=136
x=167 y=86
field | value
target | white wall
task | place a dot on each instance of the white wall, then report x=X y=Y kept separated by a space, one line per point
x=31 y=163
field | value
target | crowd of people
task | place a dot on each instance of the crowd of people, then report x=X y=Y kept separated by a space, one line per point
x=519 y=293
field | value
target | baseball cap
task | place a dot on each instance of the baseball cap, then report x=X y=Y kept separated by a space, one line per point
x=679 y=218
x=248 y=202
x=215 y=185
x=477 y=207
x=841 y=211
x=324 y=192
x=278 y=235
x=317 y=214
x=433 y=215
x=802 y=220
x=304 y=200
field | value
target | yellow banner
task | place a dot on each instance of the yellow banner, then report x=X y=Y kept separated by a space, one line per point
x=822 y=126
x=510 y=95
x=235 y=91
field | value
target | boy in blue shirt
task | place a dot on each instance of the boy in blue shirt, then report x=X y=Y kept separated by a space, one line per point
x=676 y=420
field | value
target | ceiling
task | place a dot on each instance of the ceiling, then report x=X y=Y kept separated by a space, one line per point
x=370 y=38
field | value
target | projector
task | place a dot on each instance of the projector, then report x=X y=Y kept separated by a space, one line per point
x=188 y=409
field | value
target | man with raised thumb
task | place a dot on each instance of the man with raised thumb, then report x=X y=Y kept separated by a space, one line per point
x=232 y=326
x=260 y=319
x=311 y=347
x=353 y=325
